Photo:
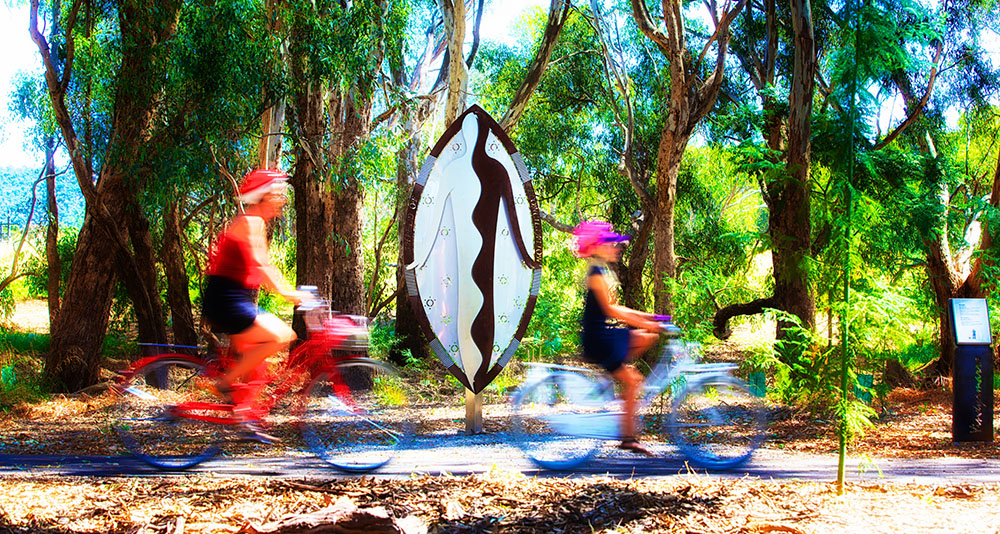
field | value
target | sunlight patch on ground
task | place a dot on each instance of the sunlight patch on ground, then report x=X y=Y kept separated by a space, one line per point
x=32 y=316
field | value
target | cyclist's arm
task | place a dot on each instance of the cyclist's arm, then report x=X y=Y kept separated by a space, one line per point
x=273 y=281
x=631 y=317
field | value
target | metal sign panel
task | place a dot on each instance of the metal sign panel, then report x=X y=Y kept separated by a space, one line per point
x=473 y=248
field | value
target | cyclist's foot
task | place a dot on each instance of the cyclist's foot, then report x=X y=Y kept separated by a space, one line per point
x=633 y=445
x=224 y=390
x=253 y=432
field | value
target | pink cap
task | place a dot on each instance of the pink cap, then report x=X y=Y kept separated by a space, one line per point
x=590 y=234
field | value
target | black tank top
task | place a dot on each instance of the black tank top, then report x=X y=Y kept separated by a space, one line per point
x=594 y=320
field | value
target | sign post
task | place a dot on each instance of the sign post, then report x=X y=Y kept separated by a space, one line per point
x=972 y=372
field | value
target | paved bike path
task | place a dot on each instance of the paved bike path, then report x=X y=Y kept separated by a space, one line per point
x=461 y=455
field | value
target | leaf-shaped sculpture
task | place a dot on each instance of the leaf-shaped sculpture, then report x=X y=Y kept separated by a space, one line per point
x=473 y=249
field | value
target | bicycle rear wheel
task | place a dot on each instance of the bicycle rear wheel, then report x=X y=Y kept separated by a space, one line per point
x=717 y=423
x=356 y=417
x=560 y=420
x=148 y=424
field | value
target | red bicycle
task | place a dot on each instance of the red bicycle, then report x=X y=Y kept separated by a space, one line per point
x=351 y=410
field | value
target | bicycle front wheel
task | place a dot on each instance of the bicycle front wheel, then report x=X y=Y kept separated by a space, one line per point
x=356 y=417
x=148 y=422
x=560 y=419
x=717 y=423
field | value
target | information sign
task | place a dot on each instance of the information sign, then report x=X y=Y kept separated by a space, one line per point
x=972 y=322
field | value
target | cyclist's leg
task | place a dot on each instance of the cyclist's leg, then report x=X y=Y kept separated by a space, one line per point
x=631 y=381
x=639 y=342
x=267 y=336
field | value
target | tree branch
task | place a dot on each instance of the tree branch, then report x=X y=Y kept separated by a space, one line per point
x=558 y=13
x=916 y=108
x=720 y=322
x=562 y=227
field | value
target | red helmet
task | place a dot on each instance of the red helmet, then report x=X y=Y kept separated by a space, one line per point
x=260 y=182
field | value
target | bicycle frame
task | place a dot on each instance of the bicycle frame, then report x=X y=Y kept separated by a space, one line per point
x=304 y=364
x=669 y=374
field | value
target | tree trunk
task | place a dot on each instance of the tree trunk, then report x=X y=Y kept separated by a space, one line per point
x=790 y=224
x=52 y=232
x=668 y=164
x=558 y=13
x=408 y=330
x=172 y=257
x=348 y=293
x=633 y=294
x=142 y=284
x=458 y=77
x=272 y=123
x=77 y=335
x=102 y=247
x=328 y=203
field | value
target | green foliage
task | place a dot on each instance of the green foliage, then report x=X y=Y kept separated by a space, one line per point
x=553 y=332
x=855 y=418
x=21 y=378
x=37 y=264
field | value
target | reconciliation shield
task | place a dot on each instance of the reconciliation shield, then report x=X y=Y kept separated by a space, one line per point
x=473 y=249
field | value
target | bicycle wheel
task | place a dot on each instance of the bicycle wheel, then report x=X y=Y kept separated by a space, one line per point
x=560 y=420
x=146 y=420
x=716 y=422
x=357 y=417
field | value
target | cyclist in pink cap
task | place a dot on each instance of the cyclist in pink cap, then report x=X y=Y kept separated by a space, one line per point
x=238 y=267
x=604 y=344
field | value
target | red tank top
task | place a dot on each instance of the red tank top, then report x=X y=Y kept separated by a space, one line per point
x=232 y=258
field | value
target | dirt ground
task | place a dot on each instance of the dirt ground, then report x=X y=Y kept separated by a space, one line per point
x=914 y=424
x=499 y=502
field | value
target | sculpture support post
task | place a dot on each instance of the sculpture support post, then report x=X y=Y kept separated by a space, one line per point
x=473 y=412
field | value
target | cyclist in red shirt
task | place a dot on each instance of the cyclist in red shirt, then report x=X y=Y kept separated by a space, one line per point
x=238 y=267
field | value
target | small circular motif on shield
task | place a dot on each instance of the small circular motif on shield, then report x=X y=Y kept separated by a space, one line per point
x=503 y=280
x=502 y=319
x=428 y=201
x=445 y=232
x=453 y=348
x=505 y=232
x=494 y=147
x=429 y=303
x=446 y=281
x=446 y=319
x=496 y=348
x=519 y=200
x=456 y=146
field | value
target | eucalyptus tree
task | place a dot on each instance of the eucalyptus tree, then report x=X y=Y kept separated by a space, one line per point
x=337 y=52
x=693 y=88
x=916 y=51
x=30 y=102
x=777 y=48
x=123 y=94
x=954 y=52
x=103 y=247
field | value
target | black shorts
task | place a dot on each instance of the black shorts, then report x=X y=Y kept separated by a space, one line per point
x=229 y=307
x=607 y=347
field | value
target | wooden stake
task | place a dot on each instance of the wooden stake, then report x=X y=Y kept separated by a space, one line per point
x=473 y=412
